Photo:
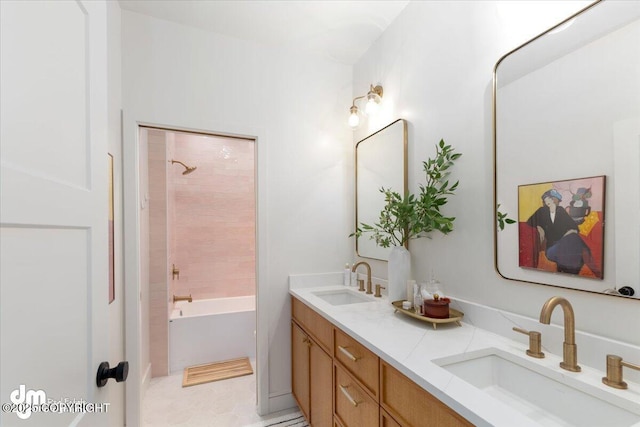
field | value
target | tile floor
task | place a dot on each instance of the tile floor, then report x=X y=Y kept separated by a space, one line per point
x=227 y=403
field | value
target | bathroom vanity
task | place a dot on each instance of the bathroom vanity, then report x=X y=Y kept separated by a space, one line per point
x=356 y=362
x=327 y=362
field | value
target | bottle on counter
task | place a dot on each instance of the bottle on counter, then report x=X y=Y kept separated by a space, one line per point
x=410 y=284
x=417 y=299
x=425 y=291
x=346 y=280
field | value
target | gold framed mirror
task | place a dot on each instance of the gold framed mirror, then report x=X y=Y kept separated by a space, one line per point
x=566 y=105
x=381 y=161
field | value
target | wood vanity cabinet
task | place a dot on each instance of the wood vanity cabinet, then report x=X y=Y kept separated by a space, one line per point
x=312 y=365
x=339 y=382
x=411 y=405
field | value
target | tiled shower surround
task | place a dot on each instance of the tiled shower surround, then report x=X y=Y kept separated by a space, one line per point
x=203 y=223
x=212 y=217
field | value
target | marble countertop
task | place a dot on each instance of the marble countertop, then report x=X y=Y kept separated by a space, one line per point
x=410 y=345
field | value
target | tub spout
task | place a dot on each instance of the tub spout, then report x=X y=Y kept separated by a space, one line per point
x=177 y=298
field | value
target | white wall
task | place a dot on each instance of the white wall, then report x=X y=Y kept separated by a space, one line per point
x=435 y=63
x=295 y=106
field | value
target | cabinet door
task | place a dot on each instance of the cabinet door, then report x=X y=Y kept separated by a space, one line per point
x=386 y=420
x=300 y=368
x=321 y=386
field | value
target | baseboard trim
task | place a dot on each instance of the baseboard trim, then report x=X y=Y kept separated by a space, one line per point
x=280 y=402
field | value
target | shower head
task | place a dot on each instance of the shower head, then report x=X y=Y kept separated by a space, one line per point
x=188 y=170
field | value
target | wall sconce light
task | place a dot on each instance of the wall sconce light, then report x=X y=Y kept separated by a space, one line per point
x=374 y=97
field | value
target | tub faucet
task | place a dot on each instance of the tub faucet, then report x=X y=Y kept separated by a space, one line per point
x=355 y=266
x=569 y=348
x=177 y=298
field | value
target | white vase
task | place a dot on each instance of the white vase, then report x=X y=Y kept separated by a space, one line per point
x=398 y=272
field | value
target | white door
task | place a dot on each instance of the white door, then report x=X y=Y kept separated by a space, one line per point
x=53 y=213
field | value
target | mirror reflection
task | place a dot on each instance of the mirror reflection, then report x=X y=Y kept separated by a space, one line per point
x=381 y=161
x=567 y=107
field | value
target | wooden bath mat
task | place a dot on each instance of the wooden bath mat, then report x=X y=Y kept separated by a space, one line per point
x=201 y=374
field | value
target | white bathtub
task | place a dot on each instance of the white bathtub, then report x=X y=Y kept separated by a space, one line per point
x=211 y=330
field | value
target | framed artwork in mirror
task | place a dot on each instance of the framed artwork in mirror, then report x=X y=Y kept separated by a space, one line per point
x=561 y=226
x=565 y=106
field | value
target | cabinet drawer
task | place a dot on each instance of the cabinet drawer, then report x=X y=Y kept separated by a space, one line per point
x=352 y=405
x=411 y=405
x=319 y=327
x=360 y=362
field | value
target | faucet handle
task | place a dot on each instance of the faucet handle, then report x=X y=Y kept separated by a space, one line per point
x=614 y=371
x=361 y=285
x=378 y=288
x=535 y=342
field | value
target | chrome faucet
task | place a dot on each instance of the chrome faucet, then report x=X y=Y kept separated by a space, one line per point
x=177 y=298
x=355 y=266
x=569 y=348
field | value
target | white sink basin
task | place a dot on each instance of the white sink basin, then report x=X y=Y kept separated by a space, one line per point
x=342 y=297
x=547 y=396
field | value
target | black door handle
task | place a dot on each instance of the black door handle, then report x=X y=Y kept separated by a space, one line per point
x=119 y=373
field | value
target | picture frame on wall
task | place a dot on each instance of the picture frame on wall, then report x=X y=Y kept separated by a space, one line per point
x=112 y=285
x=561 y=226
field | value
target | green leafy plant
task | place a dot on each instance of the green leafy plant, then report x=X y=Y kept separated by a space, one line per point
x=411 y=216
x=503 y=219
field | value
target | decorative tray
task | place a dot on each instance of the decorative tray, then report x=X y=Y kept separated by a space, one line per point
x=454 y=315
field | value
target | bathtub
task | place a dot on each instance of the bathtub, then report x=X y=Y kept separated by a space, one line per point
x=211 y=330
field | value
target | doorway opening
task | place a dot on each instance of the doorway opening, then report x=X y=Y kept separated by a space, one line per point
x=198 y=197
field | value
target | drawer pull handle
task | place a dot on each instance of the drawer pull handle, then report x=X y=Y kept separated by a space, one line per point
x=348 y=354
x=343 y=389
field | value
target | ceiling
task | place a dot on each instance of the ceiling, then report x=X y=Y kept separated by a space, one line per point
x=338 y=30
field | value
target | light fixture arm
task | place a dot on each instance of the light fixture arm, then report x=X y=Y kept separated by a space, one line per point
x=353 y=104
